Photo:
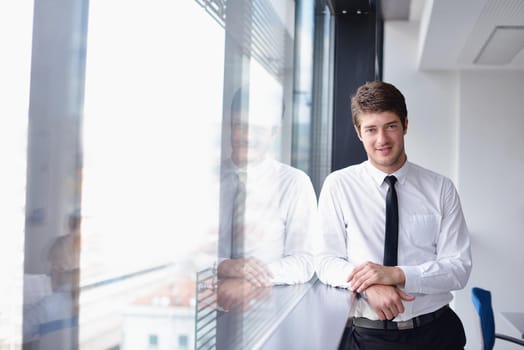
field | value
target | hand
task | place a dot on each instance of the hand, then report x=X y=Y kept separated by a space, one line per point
x=387 y=301
x=250 y=269
x=236 y=293
x=369 y=273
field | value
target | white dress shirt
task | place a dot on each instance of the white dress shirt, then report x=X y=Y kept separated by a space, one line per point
x=280 y=219
x=433 y=243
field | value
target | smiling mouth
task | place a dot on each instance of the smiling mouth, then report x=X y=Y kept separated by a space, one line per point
x=384 y=149
x=241 y=144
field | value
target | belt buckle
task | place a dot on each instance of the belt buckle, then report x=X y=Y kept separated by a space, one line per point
x=403 y=325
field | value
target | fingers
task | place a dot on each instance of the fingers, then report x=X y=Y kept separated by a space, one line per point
x=250 y=269
x=362 y=280
x=355 y=277
x=369 y=273
x=256 y=272
x=387 y=301
x=389 y=311
x=261 y=267
x=405 y=296
x=366 y=275
x=235 y=294
x=228 y=297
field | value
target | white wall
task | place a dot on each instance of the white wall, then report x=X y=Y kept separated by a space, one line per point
x=491 y=169
x=469 y=126
x=431 y=98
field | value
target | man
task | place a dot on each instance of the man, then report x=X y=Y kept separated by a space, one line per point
x=405 y=286
x=268 y=209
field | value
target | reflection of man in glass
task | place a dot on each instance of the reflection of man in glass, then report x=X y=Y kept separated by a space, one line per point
x=268 y=209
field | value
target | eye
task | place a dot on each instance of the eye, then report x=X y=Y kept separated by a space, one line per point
x=369 y=130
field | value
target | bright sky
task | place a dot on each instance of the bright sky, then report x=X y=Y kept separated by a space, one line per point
x=151 y=128
x=15 y=17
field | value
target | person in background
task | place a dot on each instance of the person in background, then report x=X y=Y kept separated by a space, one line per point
x=51 y=299
x=405 y=283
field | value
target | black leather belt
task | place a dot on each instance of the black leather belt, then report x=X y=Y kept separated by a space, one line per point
x=400 y=325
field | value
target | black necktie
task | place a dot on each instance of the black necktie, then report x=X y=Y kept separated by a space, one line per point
x=239 y=207
x=391 y=240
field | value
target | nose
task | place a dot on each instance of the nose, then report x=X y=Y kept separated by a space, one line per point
x=240 y=130
x=382 y=137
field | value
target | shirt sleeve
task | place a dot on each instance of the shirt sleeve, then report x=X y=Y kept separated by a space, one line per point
x=331 y=260
x=451 y=268
x=297 y=263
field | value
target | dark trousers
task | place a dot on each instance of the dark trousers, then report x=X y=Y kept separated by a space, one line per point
x=444 y=333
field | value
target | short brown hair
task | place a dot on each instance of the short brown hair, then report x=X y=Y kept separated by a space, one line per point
x=377 y=97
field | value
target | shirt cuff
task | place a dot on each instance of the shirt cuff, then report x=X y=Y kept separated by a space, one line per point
x=413 y=280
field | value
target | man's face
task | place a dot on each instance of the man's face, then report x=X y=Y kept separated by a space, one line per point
x=250 y=142
x=383 y=137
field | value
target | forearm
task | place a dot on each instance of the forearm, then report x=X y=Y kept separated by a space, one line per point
x=292 y=269
x=450 y=267
x=436 y=276
x=333 y=271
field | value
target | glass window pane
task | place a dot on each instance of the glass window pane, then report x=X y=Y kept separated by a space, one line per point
x=14 y=91
x=138 y=211
x=153 y=110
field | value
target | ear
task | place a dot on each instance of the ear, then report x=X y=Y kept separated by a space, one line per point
x=406 y=126
x=358 y=132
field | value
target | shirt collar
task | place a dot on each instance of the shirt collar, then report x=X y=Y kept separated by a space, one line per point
x=378 y=176
x=252 y=170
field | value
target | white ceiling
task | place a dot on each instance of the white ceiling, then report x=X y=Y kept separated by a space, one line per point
x=454 y=32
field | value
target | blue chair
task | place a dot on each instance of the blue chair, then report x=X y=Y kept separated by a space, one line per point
x=482 y=301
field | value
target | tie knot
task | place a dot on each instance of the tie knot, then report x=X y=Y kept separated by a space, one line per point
x=390 y=180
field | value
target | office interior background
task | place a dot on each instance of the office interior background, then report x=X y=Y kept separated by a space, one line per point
x=114 y=123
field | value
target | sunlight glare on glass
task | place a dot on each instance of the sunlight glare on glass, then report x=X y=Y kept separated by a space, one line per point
x=153 y=110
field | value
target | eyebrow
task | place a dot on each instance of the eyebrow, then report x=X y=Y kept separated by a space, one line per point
x=385 y=124
x=392 y=122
